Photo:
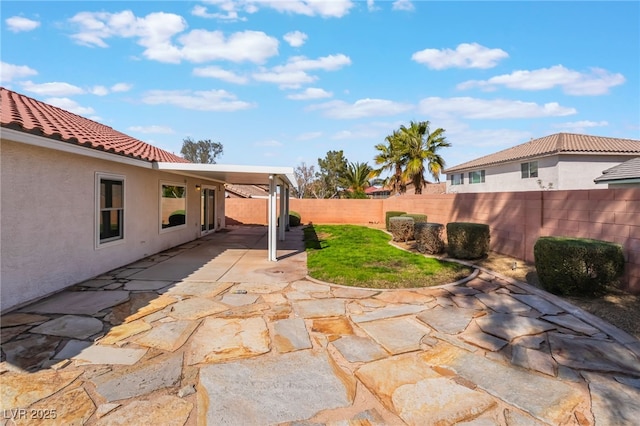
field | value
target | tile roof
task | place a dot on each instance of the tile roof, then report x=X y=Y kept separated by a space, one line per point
x=22 y=113
x=248 y=191
x=559 y=143
x=628 y=170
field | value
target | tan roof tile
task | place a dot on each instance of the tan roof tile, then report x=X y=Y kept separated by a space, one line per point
x=28 y=115
x=559 y=143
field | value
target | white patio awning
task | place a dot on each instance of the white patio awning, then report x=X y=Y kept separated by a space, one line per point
x=247 y=175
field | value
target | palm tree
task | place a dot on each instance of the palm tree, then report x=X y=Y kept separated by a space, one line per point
x=420 y=146
x=356 y=179
x=391 y=158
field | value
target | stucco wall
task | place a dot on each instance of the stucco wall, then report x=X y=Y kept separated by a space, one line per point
x=48 y=214
x=516 y=219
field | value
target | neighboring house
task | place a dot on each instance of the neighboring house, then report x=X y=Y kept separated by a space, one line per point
x=246 y=191
x=562 y=161
x=625 y=175
x=377 y=192
x=79 y=198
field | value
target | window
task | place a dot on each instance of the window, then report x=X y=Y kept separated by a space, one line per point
x=457 y=179
x=173 y=205
x=476 y=176
x=110 y=215
x=529 y=170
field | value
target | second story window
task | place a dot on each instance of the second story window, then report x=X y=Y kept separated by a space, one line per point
x=457 y=179
x=529 y=170
x=477 y=176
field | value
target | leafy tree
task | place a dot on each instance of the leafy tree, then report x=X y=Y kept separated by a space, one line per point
x=356 y=179
x=305 y=176
x=391 y=158
x=202 y=152
x=332 y=168
x=420 y=145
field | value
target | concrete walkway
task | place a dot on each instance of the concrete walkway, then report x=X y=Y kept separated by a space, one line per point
x=212 y=333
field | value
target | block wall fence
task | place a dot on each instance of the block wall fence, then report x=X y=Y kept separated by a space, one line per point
x=516 y=219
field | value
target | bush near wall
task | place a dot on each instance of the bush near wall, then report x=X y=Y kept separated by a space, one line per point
x=417 y=218
x=294 y=218
x=577 y=266
x=466 y=240
x=388 y=215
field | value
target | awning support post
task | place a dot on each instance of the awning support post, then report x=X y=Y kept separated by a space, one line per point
x=273 y=256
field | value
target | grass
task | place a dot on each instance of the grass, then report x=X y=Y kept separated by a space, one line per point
x=362 y=257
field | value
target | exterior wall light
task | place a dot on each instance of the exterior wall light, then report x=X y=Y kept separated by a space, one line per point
x=198 y=187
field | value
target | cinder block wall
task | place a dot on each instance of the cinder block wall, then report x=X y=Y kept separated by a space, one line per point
x=516 y=219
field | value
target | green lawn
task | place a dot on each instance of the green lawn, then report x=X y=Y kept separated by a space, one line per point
x=362 y=257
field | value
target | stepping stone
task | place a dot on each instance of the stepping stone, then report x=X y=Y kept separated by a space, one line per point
x=8 y=333
x=290 y=335
x=459 y=290
x=438 y=401
x=139 y=285
x=405 y=296
x=123 y=331
x=538 y=303
x=388 y=312
x=475 y=336
x=584 y=353
x=261 y=288
x=547 y=399
x=319 y=308
x=239 y=299
x=396 y=335
x=97 y=354
x=310 y=287
x=96 y=283
x=220 y=339
x=292 y=387
x=572 y=323
x=352 y=293
x=359 y=349
x=71 y=349
x=31 y=352
x=482 y=285
x=160 y=372
x=162 y=410
x=205 y=289
x=20 y=390
x=13 y=319
x=196 y=308
x=332 y=326
x=532 y=359
x=70 y=326
x=502 y=303
x=104 y=409
x=449 y=320
x=151 y=303
x=468 y=302
x=72 y=407
x=613 y=403
x=79 y=302
x=508 y=327
x=169 y=336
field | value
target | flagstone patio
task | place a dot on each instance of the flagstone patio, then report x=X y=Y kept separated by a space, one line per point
x=213 y=333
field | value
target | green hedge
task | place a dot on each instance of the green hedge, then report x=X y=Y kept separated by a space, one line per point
x=467 y=240
x=417 y=218
x=577 y=266
x=294 y=218
x=388 y=215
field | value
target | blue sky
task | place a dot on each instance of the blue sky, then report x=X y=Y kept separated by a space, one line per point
x=279 y=82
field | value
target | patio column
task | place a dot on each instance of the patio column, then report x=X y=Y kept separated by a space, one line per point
x=286 y=202
x=282 y=220
x=273 y=256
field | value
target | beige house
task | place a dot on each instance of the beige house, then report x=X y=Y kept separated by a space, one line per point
x=625 y=175
x=563 y=161
x=78 y=198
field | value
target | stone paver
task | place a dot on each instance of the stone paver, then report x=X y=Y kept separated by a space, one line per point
x=244 y=341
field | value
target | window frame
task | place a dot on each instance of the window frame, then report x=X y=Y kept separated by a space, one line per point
x=162 y=184
x=481 y=174
x=107 y=242
x=528 y=165
x=460 y=179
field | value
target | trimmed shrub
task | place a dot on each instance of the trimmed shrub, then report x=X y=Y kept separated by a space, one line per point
x=401 y=228
x=294 y=218
x=417 y=218
x=577 y=266
x=467 y=240
x=388 y=215
x=428 y=237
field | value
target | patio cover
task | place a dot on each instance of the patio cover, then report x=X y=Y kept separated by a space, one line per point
x=247 y=175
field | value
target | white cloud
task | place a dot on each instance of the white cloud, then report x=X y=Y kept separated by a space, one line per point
x=10 y=72
x=326 y=63
x=152 y=129
x=475 y=108
x=220 y=74
x=310 y=93
x=580 y=126
x=466 y=55
x=295 y=38
x=212 y=100
x=361 y=108
x=596 y=82
x=404 y=5
x=371 y=6
x=99 y=91
x=18 y=24
x=230 y=15
x=270 y=142
x=249 y=46
x=232 y=8
x=308 y=136
x=70 y=105
x=52 y=89
x=285 y=79
x=121 y=87
x=294 y=74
